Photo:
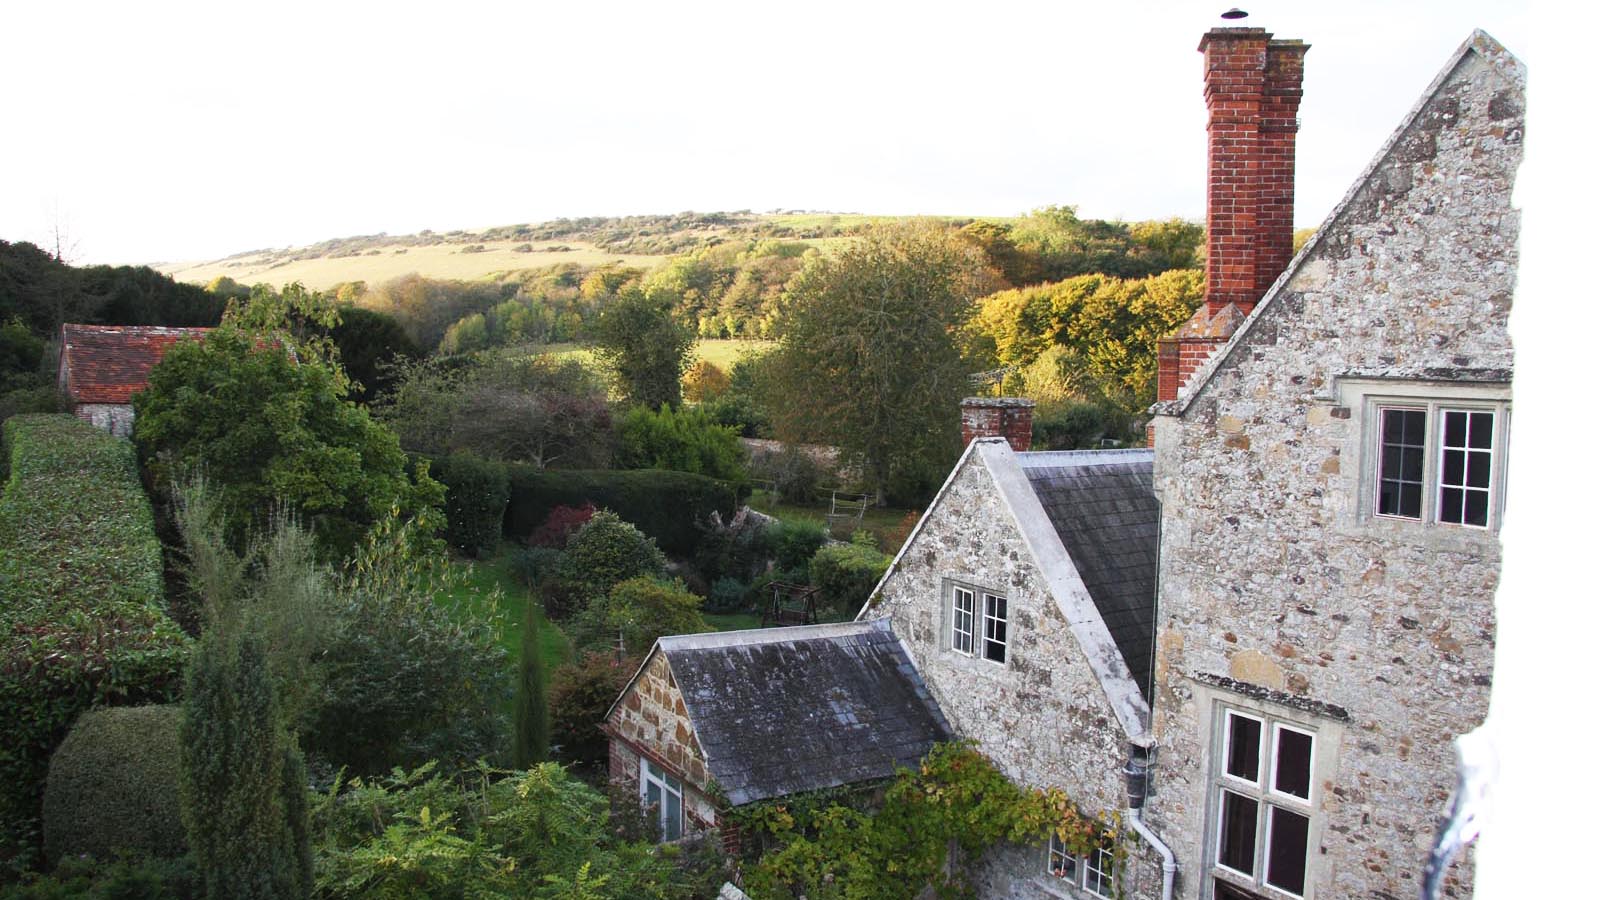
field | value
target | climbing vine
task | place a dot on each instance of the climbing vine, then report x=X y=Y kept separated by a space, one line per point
x=848 y=843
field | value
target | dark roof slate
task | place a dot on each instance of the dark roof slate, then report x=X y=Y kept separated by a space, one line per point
x=110 y=363
x=783 y=710
x=1103 y=506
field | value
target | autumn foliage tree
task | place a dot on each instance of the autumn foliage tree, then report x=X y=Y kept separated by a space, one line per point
x=870 y=359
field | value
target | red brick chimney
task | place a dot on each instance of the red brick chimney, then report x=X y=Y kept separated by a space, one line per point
x=1253 y=95
x=1007 y=417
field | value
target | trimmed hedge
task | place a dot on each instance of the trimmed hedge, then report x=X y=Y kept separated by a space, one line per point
x=84 y=622
x=664 y=505
x=476 y=492
x=113 y=785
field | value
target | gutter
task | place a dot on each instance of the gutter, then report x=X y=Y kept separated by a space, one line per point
x=1138 y=774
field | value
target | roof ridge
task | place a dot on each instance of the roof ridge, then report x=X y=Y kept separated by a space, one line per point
x=750 y=636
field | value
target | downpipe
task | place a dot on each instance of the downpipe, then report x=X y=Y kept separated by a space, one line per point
x=1138 y=775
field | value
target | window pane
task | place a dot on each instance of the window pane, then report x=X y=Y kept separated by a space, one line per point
x=1481 y=434
x=1292 y=774
x=1411 y=464
x=1411 y=500
x=1097 y=873
x=1450 y=505
x=1476 y=511
x=652 y=794
x=1236 y=847
x=654 y=769
x=1244 y=748
x=1455 y=462
x=1401 y=459
x=672 y=818
x=1286 y=850
x=1060 y=862
x=1478 y=469
x=994 y=628
x=1455 y=429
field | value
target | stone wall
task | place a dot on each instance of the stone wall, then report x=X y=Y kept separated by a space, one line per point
x=1042 y=716
x=1280 y=591
x=115 y=418
x=651 y=719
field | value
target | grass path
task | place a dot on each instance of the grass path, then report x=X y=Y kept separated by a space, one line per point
x=487 y=574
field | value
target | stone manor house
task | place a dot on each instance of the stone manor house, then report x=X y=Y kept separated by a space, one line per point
x=1254 y=641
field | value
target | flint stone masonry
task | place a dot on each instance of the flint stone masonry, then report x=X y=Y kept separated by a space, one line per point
x=1274 y=573
x=1043 y=716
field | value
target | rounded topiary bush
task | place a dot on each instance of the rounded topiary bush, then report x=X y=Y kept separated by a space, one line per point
x=113 y=785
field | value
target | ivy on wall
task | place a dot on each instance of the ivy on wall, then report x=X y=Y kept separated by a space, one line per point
x=896 y=841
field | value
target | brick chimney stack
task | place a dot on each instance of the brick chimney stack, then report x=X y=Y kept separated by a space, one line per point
x=1007 y=417
x=1252 y=91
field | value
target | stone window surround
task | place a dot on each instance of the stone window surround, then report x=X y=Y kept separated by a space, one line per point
x=1214 y=702
x=1075 y=887
x=1362 y=398
x=974 y=659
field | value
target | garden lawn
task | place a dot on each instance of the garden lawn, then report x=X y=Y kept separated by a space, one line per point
x=487 y=574
x=738 y=621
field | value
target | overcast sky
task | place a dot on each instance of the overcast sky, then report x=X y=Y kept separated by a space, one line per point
x=158 y=132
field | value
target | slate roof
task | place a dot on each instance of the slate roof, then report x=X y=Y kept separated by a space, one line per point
x=1103 y=505
x=110 y=363
x=783 y=710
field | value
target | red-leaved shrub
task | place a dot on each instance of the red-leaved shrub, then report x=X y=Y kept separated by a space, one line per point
x=559 y=527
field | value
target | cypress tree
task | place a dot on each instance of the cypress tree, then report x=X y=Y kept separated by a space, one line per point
x=532 y=725
x=242 y=783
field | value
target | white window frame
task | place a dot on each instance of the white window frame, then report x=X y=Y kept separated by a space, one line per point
x=1096 y=867
x=990 y=603
x=1264 y=793
x=669 y=784
x=1434 y=410
x=959 y=635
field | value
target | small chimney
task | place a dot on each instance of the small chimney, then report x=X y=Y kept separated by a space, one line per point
x=1252 y=91
x=1007 y=417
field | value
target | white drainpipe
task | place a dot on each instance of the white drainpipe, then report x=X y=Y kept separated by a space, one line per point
x=1138 y=774
x=1169 y=866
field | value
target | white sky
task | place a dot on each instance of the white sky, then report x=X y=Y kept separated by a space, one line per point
x=162 y=131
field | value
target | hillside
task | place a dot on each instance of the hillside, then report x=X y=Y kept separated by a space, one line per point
x=641 y=241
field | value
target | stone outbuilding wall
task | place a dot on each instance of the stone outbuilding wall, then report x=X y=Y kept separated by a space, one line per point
x=1282 y=593
x=650 y=719
x=1043 y=717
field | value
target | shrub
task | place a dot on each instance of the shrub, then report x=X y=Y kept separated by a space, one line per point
x=580 y=694
x=608 y=550
x=132 y=878
x=664 y=505
x=640 y=610
x=1079 y=426
x=83 y=621
x=793 y=472
x=704 y=381
x=113 y=786
x=559 y=527
x=794 y=542
x=410 y=676
x=237 y=776
x=476 y=493
x=727 y=595
x=531 y=565
x=844 y=575
x=681 y=440
x=43 y=398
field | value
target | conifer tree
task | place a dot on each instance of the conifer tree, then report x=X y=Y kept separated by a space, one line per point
x=242 y=784
x=532 y=742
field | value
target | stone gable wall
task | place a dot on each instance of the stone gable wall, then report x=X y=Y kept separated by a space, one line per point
x=1042 y=717
x=1274 y=572
x=652 y=718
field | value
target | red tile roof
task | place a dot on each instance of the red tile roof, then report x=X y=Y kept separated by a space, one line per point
x=111 y=363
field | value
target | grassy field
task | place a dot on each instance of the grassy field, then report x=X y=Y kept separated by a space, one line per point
x=377 y=266
x=722 y=353
x=487 y=574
